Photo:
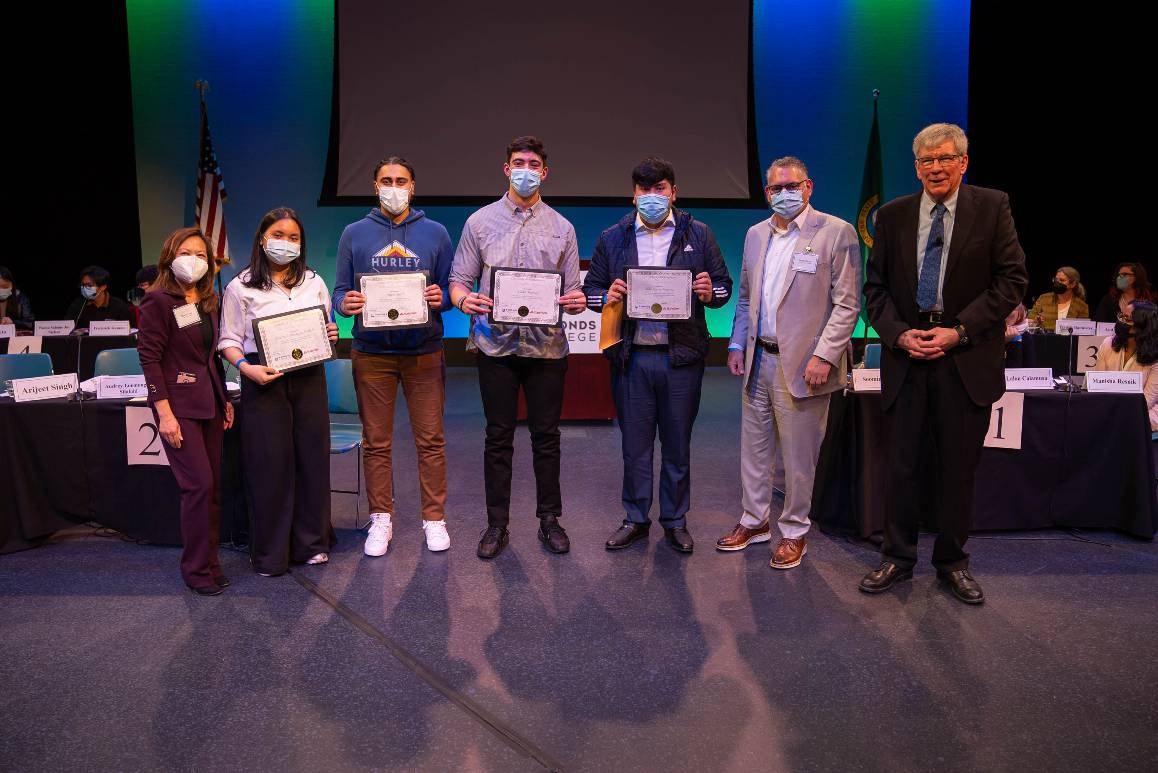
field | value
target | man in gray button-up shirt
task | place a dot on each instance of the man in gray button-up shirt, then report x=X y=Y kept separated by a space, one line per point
x=518 y=231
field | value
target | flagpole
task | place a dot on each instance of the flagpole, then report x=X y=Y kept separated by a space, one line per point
x=202 y=87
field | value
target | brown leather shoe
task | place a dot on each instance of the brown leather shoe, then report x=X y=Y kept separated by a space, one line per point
x=788 y=553
x=741 y=537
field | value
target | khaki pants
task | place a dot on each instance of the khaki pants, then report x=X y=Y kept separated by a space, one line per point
x=423 y=379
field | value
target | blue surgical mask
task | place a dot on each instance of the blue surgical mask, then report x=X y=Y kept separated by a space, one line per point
x=787 y=203
x=525 y=181
x=1122 y=283
x=653 y=207
x=88 y=292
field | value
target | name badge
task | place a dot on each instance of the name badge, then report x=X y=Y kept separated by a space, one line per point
x=187 y=315
x=804 y=262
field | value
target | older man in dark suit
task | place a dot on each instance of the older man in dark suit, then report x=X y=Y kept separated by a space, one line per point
x=946 y=269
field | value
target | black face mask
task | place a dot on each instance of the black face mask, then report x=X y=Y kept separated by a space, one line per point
x=1122 y=330
x=1059 y=288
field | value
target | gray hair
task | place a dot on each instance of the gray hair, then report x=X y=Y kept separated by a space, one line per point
x=935 y=134
x=1073 y=275
x=787 y=162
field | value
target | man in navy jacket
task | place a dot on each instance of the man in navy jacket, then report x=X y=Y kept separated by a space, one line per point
x=658 y=367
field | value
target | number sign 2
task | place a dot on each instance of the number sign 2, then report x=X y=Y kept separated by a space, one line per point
x=143 y=441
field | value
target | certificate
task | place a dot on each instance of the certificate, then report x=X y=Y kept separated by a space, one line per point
x=293 y=339
x=394 y=300
x=663 y=293
x=526 y=296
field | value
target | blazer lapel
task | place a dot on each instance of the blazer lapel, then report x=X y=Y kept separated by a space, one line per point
x=803 y=244
x=962 y=226
x=756 y=274
x=910 y=223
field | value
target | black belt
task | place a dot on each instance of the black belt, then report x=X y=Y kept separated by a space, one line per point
x=771 y=347
x=930 y=317
x=649 y=347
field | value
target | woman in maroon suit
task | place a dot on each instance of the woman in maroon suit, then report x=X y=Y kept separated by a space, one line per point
x=178 y=344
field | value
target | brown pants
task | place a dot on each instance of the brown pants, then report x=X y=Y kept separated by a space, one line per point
x=423 y=377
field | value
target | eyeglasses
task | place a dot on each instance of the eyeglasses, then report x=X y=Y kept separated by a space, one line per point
x=1127 y=276
x=785 y=186
x=927 y=161
x=1125 y=320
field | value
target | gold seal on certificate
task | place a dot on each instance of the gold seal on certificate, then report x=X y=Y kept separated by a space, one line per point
x=526 y=296
x=394 y=300
x=659 y=293
x=293 y=339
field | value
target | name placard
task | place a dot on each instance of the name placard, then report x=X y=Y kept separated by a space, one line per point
x=109 y=327
x=24 y=345
x=1121 y=381
x=866 y=379
x=53 y=327
x=8 y=331
x=1076 y=327
x=121 y=387
x=1021 y=379
x=1105 y=329
x=26 y=390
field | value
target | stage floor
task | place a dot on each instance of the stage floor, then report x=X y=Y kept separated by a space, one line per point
x=642 y=659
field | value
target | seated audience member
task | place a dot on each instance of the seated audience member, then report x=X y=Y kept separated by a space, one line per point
x=1065 y=300
x=96 y=303
x=145 y=278
x=15 y=308
x=1134 y=346
x=1128 y=285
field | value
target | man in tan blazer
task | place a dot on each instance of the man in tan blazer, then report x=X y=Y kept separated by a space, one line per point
x=798 y=305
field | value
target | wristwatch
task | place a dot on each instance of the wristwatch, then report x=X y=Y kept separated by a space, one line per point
x=964 y=336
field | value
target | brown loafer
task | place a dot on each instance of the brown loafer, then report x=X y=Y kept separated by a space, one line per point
x=741 y=537
x=789 y=553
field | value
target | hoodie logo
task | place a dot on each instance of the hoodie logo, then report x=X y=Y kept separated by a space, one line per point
x=395 y=255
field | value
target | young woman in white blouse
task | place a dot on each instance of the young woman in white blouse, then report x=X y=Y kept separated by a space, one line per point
x=284 y=417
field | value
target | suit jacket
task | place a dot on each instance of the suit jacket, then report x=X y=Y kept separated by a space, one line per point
x=985 y=279
x=166 y=350
x=1046 y=307
x=816 y=313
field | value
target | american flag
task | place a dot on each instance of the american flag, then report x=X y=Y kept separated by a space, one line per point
x=210 y=211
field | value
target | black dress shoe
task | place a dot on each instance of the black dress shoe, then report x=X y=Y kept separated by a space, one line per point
x=222 y=581
x=207 y=590
x=963 y=586
x=680 y=539
x=553 y=535
x=494 y=541
x=626 y=534
x=884 y=577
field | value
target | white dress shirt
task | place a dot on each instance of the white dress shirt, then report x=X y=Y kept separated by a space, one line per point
x=241 y=305
x=652 y=248
x=777 y=262
x=924 y=225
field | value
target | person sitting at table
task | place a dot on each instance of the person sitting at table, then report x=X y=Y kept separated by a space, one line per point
x=145 y=278
x=1134 y=346
x=96 y=303
x=15 y=308
x=1066 y=300
x=177 y=344
x=1129 y=284
x=285 y=420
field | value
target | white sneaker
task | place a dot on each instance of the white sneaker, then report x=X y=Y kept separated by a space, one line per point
x=437 y=538
x=380 y=533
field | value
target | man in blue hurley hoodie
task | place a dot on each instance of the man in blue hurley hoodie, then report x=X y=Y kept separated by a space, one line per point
x=658 y=366
x=396 y=238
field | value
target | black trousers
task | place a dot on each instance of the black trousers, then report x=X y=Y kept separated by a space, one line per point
x=285 y=451
x=499 y=380
x=932 y=412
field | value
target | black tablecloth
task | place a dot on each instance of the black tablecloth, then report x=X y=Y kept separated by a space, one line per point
x=1044 y=350
x=1086 y=462
x=77 y=354
x=67 y=464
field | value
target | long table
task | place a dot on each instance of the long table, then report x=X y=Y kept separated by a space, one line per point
x=77 y=353
x=1086 y=461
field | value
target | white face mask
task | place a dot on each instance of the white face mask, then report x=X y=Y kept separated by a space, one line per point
x=189 y=268
x=5 y=293
x=394 y=200
x=282 y=252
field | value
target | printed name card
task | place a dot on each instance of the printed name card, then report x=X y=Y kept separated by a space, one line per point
x=43 y=387
x=53 y=327
x=1121 y=381
x=120 y=387
x=109 y=327
x=866 y=379
x=1076 y=327
x=1028 y=378
x=24 y=345
x=8 y=331
x=1105 y=329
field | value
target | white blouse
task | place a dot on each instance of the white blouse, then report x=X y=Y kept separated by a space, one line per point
x=241 y=305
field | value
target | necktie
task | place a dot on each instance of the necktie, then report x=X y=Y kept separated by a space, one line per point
x=931 y=264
